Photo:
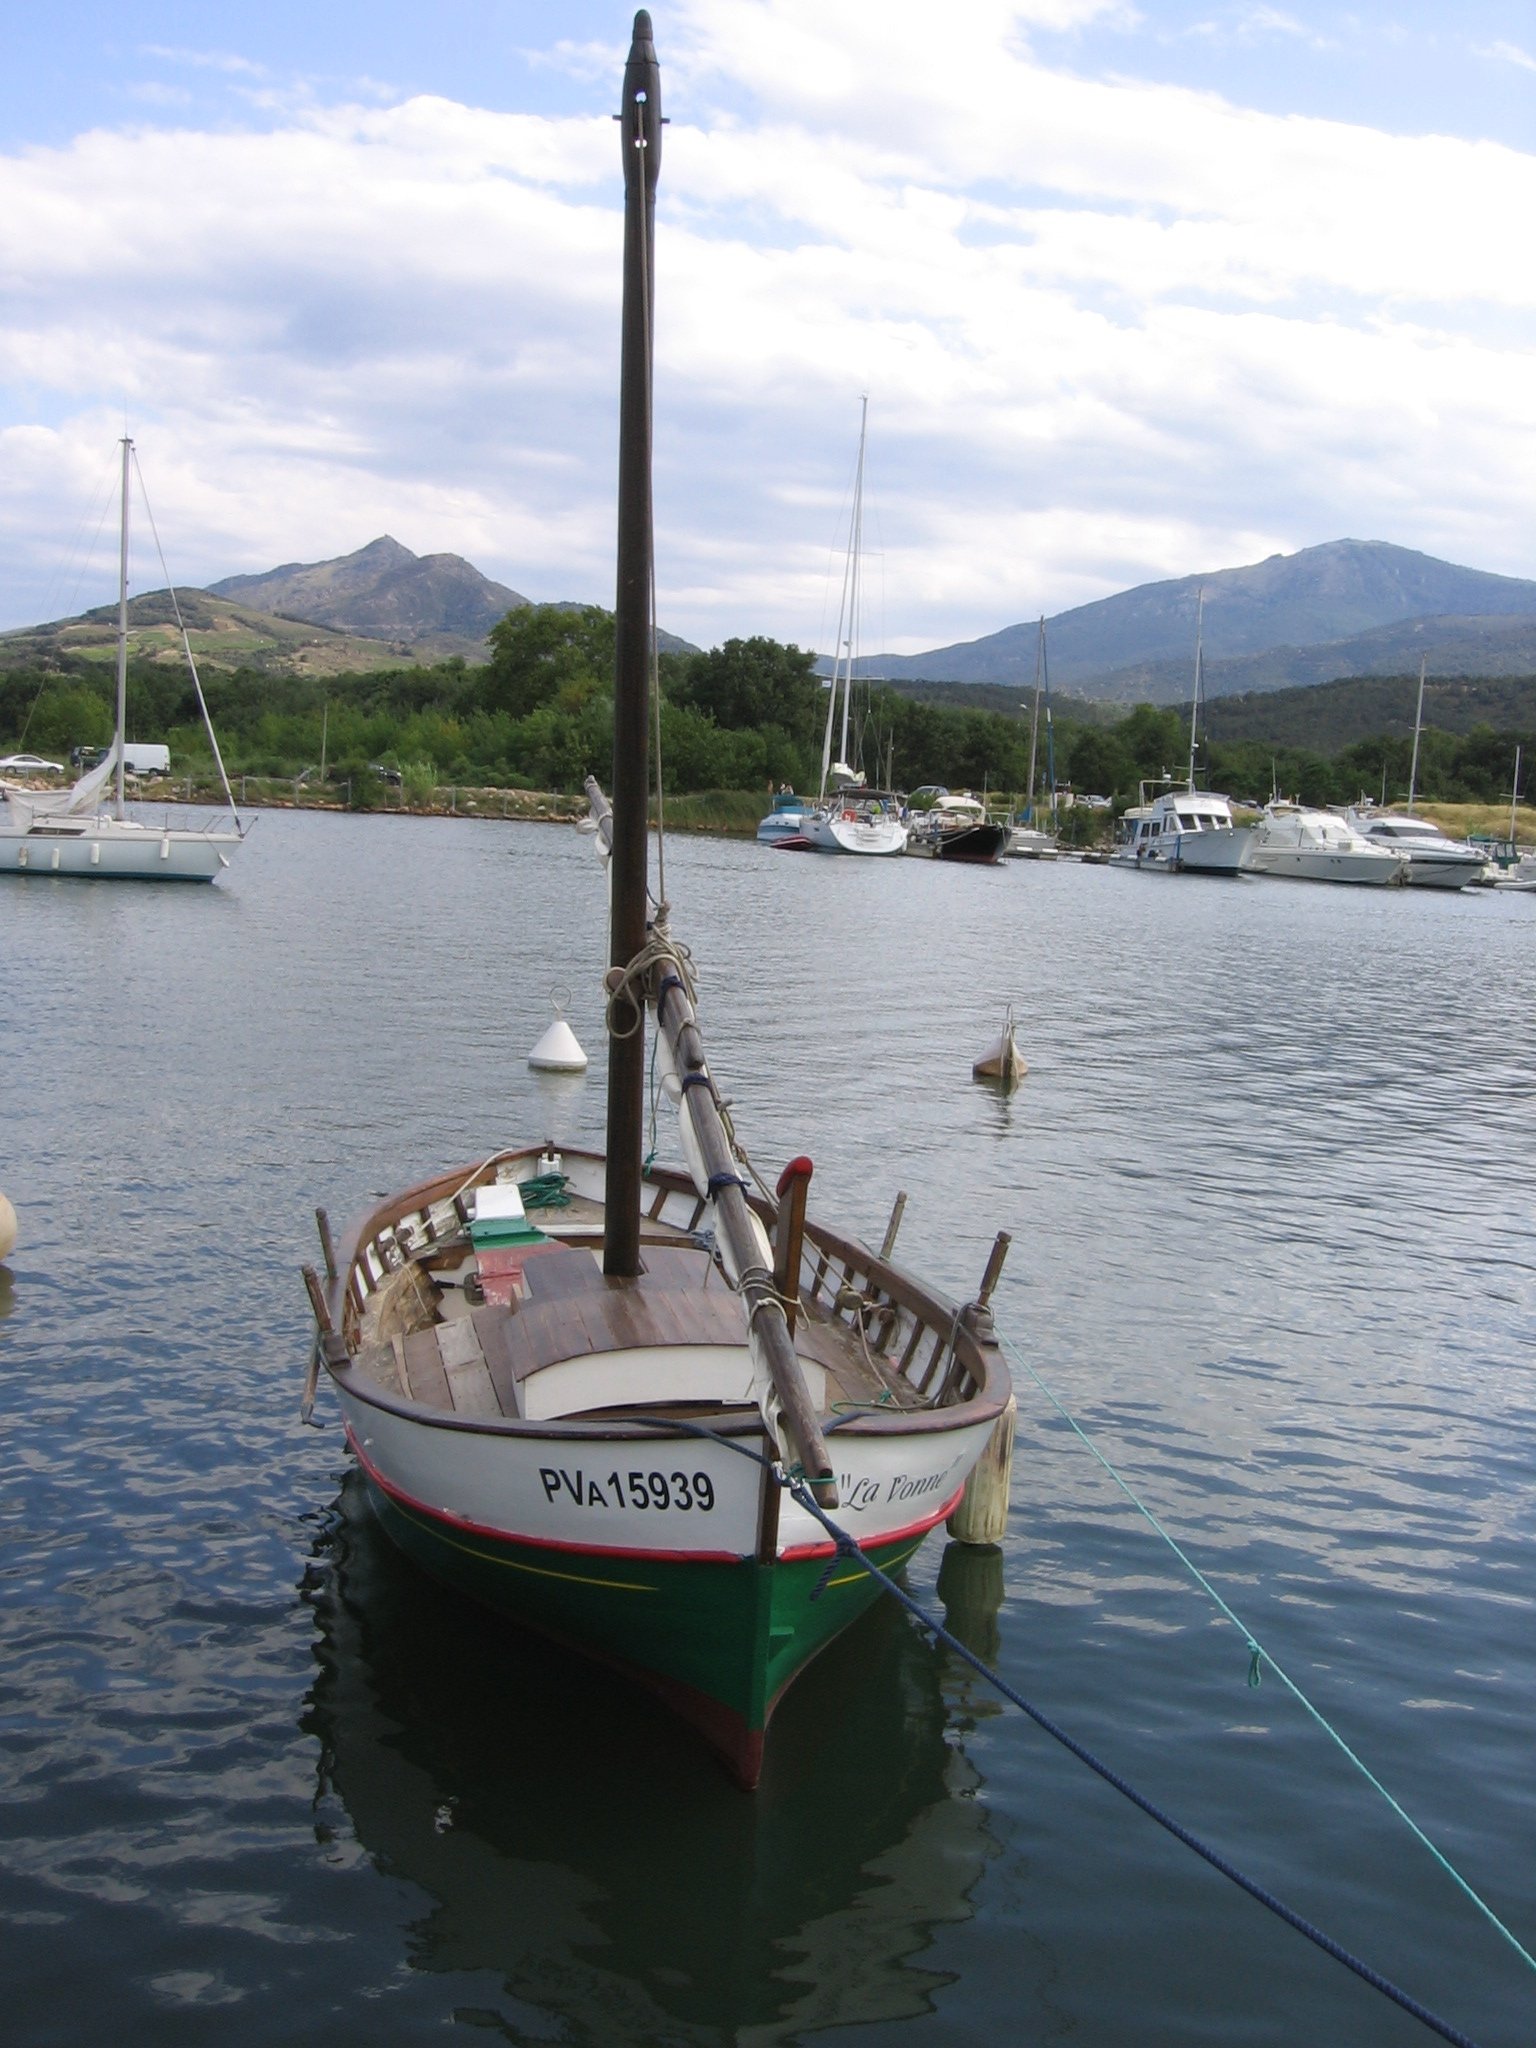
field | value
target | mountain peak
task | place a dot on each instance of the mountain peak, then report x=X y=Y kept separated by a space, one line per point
x=382 y=591
x=1119 y=647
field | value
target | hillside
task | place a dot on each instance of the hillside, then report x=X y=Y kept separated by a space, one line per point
x=1448 y=647
x=1325 y=717
x=1292 y=619
x=224 y=635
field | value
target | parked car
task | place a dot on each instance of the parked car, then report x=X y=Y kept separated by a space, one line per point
x=31 y=764
x=389 y=775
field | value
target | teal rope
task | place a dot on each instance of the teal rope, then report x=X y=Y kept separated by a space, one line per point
x=1257 y=1654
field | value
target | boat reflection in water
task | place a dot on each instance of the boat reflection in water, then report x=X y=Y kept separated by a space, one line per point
x=574 y=1839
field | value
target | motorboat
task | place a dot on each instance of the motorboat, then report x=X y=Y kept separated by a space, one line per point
x=1435 y=861
x=957 y=828
x=1302 y=844
x=784 y=820
x=1030 y=842
x=1182 y=832
x=1188 y=831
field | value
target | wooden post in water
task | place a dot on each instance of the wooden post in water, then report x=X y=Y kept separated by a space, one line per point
x=640 y=133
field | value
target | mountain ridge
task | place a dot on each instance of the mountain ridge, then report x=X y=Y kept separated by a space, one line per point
x=1288 y=618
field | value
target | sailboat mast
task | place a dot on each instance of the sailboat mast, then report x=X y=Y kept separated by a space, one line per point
x=1050 y=734
x=1418 y=727
x=1514 y=797
x=640 y=138
x=855 y=544
x=1194 y=709
x=122 y=625
x=1034 y=723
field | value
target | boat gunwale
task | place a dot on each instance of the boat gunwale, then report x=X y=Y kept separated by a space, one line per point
x=975 y=1351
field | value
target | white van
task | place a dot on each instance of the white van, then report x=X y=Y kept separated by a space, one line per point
x=144 y=759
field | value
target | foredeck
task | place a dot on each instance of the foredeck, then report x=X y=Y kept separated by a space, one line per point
x=475 y=1360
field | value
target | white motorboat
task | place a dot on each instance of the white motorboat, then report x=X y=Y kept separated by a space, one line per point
x=1185 y=831
x=1188 y=831
x=1520 y=874
x=1435 y=861
x=1306 y=845
x=70 y=832
x=1030 y=842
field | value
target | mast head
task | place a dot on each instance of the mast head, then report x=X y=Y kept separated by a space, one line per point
x=640 y=113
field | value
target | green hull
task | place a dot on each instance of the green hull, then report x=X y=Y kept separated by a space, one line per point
x=720 y=1640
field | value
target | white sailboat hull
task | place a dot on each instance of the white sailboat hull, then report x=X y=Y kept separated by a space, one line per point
x=110 y=850
x=844 y=831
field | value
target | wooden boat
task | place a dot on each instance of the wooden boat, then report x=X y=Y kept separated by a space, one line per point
x=613 y=1402
x=71 y=832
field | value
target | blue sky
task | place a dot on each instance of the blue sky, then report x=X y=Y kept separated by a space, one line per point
x=1135 y=291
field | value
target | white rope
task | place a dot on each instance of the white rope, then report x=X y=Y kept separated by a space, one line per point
x=197 y=684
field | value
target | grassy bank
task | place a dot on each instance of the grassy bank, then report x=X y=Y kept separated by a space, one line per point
x=733 y=812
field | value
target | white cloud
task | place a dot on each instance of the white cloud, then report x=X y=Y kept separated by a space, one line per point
x=1111 y=330
x=1509 y=53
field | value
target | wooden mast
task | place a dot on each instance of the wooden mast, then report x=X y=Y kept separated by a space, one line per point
x=640 y=132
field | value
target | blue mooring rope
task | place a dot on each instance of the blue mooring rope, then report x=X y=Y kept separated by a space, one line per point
x=847 y=1547
x=799 y=1490
x=1258 y=1656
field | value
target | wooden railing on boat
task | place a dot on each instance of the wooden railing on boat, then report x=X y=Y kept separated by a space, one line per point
x=942 y=1352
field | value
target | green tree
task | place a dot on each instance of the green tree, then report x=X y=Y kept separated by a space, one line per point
x=749 y=685
x=541 y=650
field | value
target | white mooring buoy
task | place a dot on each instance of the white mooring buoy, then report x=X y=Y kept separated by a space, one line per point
x=7 y=1228
x=558 y=1051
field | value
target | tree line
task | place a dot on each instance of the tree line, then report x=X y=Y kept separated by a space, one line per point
x=747 y=715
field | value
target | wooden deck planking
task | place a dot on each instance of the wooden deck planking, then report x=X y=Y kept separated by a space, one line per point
x=464 y=1365
x=424 y=1370
x=493 y=1327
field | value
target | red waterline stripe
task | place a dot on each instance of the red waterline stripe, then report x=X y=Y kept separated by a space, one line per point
x=798 y=1554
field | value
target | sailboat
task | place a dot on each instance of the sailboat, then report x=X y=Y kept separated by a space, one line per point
x=1026 y=839
x=1188 y=831
x=849 y=816
x=71 y=832
x=613 y=1400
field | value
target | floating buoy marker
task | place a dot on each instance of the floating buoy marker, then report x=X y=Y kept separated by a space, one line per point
x=558 y=1052
x=1002 y=1061
x=7 y=1228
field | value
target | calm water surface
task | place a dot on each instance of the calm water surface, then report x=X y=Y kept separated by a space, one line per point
x=1268 y=1184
